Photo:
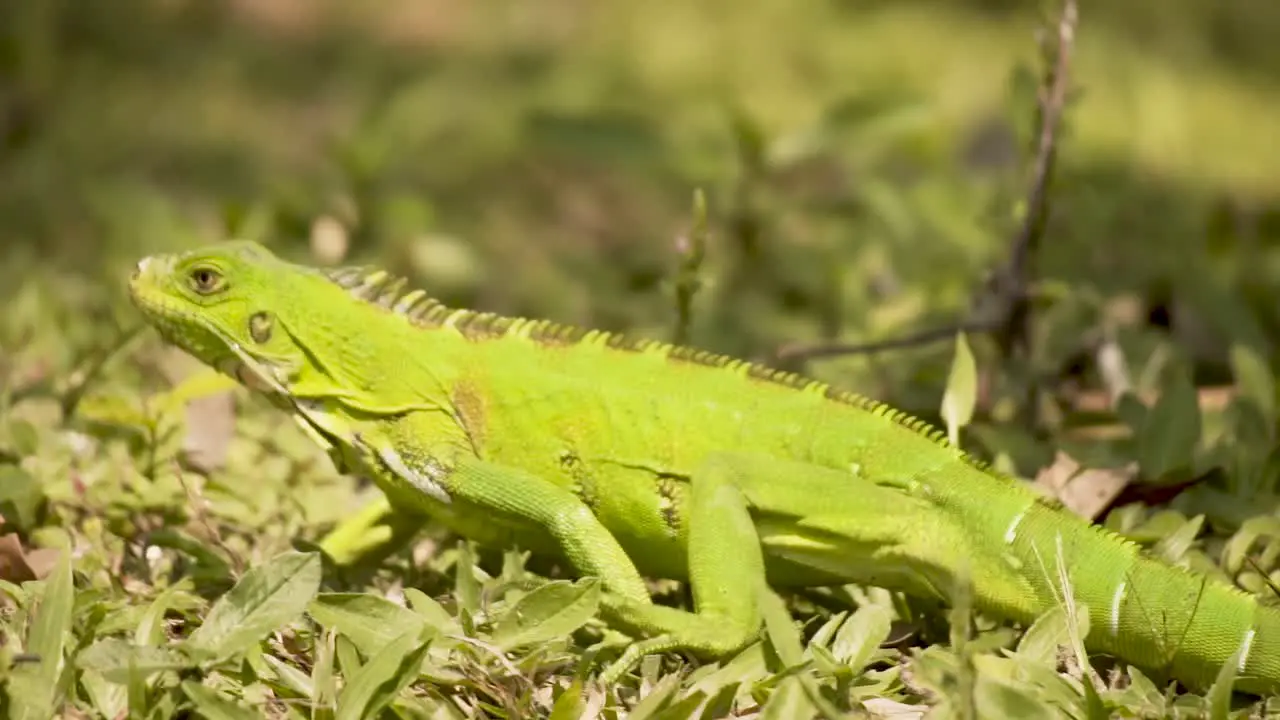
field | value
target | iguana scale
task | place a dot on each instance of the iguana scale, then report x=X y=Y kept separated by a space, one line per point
x=632 y=458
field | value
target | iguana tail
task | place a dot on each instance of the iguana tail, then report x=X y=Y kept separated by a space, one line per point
x=1144 y=611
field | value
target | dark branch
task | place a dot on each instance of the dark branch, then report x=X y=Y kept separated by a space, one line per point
x=924 y=337
x=1015 y=284
x=692 y=249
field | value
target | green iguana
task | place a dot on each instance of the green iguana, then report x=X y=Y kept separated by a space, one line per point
x=633 y=458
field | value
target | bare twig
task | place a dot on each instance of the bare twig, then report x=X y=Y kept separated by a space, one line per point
x=84 y=377
x=924 y=337
x=692 y=249
x=1015 y=281
x=1010 y=286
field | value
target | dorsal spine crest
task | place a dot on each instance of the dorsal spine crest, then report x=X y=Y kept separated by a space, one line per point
x=380 y=288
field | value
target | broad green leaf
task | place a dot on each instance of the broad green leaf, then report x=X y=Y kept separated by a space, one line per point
x=751 y=665
x=570 y=705
x=288 y=675
x=139 y=693
x=799 y=690
x=24 y=437
x=208 y=563
x=21 y=498
x=430 y=610
x=347 y=655
x=368 y=621
x=1142 y=689
x=826 y=632
x=34 y=687
x=466 y=587
x=781 y=629
x=150 y=629
x=1131 y=411
x=322 y=675
x=658 y=697
x=380 y=680
x=1254 y=379
x=1002 y=699
x=788 y=701
x=1237 y=548
x=720 y=704
x=550 y=612
x=1045 y=636
x=109 y=699
x=962 y=390
x=213 y=705
x=115 y=659
x=861 y=635
x=683 y=709
x=1171 y=430
x=266 y=598
x=1051 y=687
x=1175 y=545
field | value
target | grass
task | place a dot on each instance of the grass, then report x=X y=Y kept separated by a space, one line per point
x=860 y=163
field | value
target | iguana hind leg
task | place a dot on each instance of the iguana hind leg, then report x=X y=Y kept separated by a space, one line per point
x=726 y=575
x=732 y=497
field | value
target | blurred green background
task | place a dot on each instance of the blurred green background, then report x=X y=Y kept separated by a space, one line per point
x=864 y=165
x=863 y=161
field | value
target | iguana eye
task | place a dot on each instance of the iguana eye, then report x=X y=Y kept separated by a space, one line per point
x=206 y=280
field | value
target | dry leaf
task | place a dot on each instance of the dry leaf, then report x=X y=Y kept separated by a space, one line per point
x=42 y=561
x=1085 y=492
x=17 y=565
x=210 y=420
x=211 y=424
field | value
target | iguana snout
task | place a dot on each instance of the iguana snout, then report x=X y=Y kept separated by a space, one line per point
x=207 y=302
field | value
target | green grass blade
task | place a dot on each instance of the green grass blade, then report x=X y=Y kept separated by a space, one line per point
x=33 y=686
x=380 y=680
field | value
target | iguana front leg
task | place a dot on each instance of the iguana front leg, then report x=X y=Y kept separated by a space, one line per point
x=374 y=532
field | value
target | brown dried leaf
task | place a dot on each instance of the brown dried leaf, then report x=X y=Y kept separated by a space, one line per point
x=42 y=561
x=210 y=420
x=13 y=560
x=1086 y=492
x=211 y=423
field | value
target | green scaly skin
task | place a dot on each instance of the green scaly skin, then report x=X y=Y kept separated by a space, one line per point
x=636 y=458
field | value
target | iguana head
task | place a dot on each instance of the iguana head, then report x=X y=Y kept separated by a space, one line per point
x=222 y=304
x=295 y=332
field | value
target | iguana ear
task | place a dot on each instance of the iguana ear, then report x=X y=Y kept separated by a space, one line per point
x=260 y=326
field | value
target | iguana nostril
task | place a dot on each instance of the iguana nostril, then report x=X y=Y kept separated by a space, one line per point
x=140 y=268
